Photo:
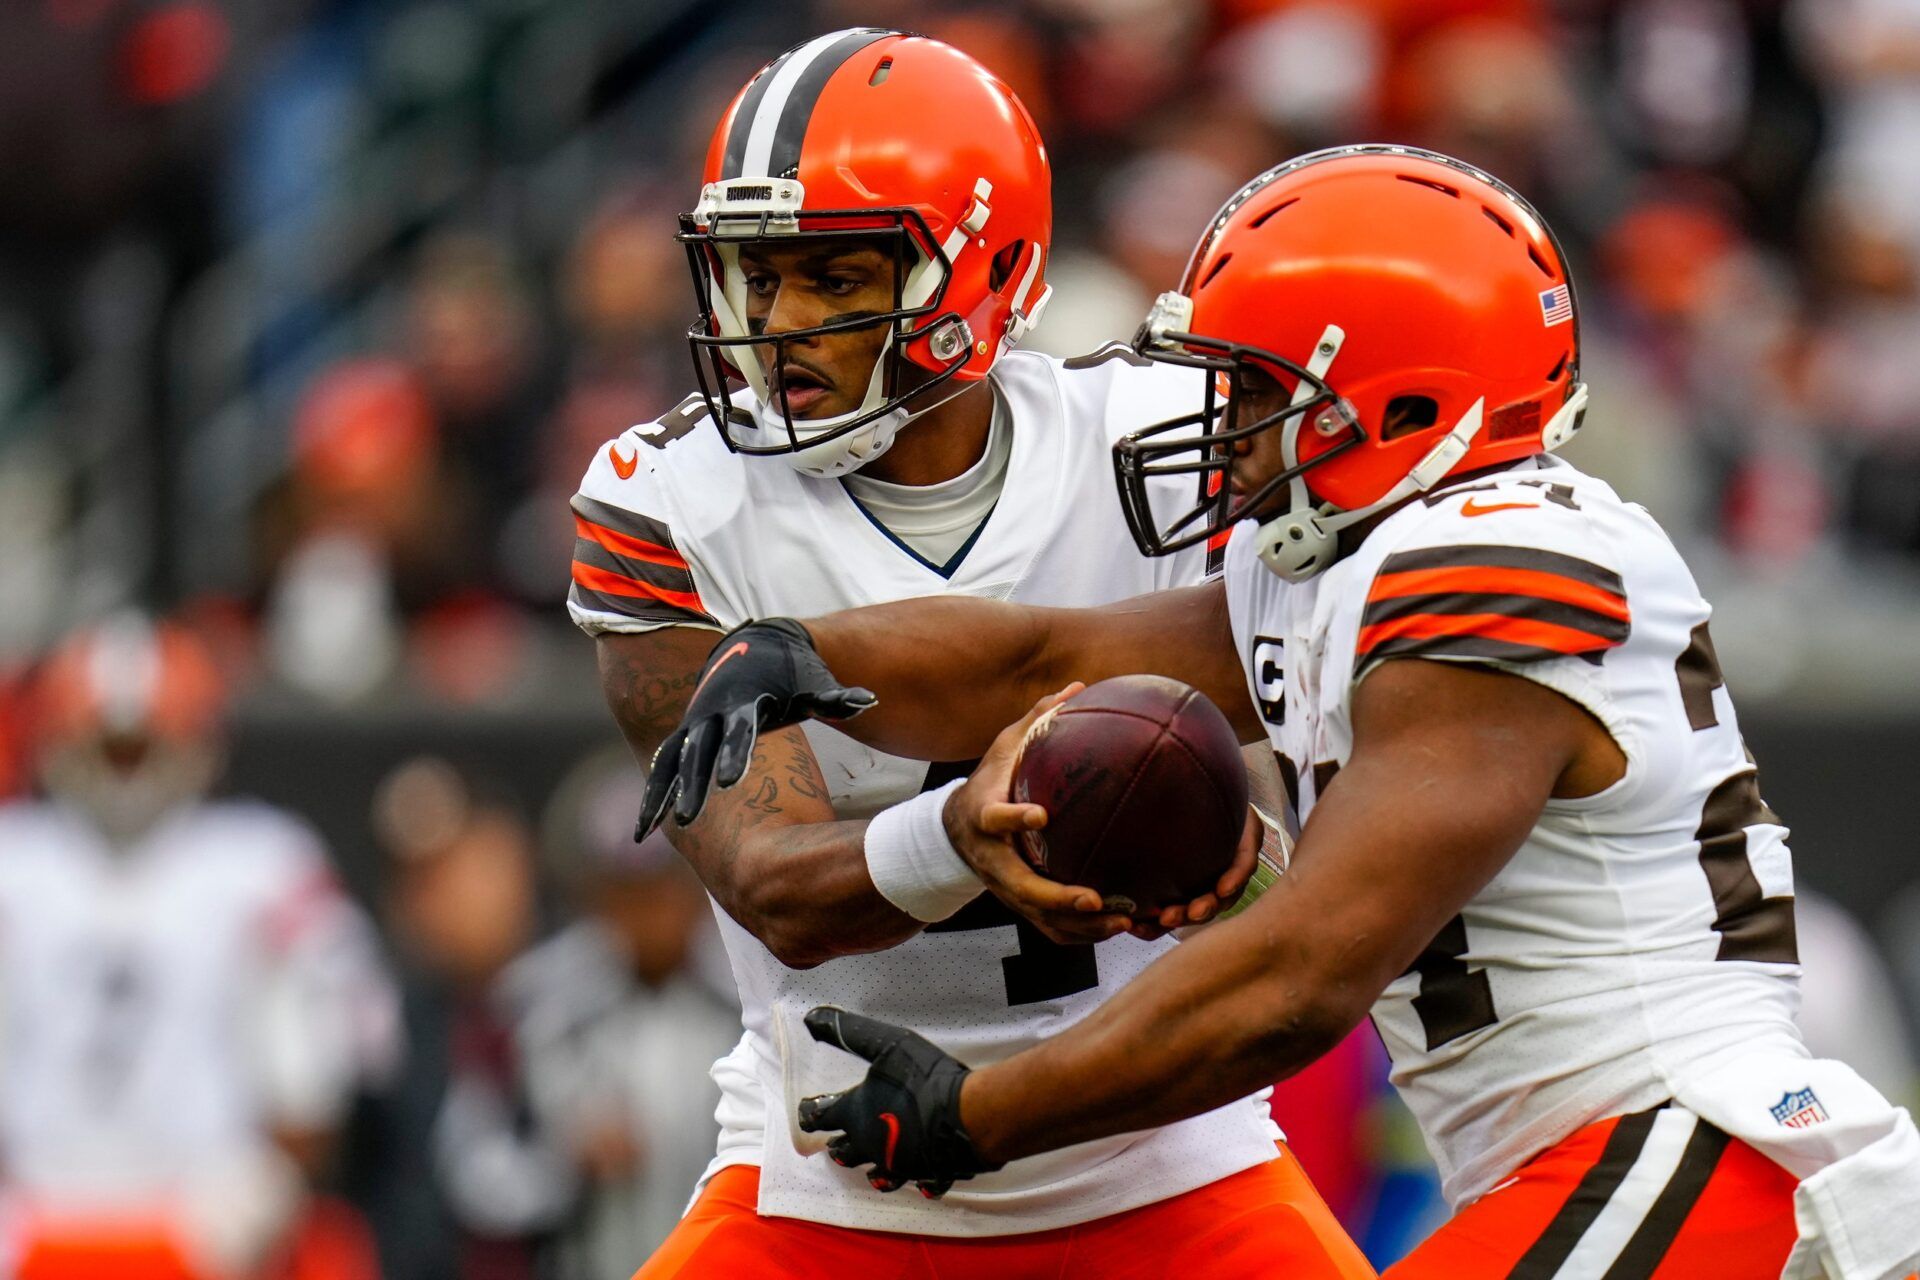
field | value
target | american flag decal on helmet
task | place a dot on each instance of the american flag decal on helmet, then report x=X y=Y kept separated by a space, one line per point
x=1556 y=305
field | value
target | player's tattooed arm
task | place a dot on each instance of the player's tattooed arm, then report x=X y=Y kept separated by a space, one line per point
x=777 y=860
x=648 y=679
x=952 y=671
x=771 y=850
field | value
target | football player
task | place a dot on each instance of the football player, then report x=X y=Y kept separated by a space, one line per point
x=189 y=999
x=868 y=249
x=1533 y=842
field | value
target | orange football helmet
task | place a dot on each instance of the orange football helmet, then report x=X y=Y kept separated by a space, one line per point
x=880 y=133
x=1417 y=312
x=127 y=719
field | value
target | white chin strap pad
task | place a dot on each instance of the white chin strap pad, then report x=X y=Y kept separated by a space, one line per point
x=842 y=454
x=838 y=456
x=1296 y=545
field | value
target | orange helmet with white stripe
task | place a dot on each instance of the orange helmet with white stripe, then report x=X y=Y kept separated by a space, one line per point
x=127 y=719
x=886 y=134
x=1416 y=317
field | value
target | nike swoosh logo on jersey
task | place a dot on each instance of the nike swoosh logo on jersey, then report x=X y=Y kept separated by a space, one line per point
x=623 y=467
x=1472 y=507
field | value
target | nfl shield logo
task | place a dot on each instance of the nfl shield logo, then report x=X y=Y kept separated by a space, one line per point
x=1799 y=1109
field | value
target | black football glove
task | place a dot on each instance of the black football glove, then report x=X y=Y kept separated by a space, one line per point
x=764 y=675
x=904 y=1118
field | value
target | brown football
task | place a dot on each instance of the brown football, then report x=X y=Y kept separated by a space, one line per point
x=1145 y=792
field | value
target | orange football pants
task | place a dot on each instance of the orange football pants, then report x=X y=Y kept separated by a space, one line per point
x=104 y=1251
x=329 y=1240
x=1657 y=1195
x=1260 y=1223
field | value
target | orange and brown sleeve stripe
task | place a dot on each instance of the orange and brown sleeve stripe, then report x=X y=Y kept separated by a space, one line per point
x=1511 y=604
x=626 y=563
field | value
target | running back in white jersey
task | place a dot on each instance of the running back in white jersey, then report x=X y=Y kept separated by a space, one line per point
x=1638 y=934
x=162 y=1006
x=675 y=529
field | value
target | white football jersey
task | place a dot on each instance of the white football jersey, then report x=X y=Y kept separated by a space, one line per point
x=162 y=1004
x=674 y=528
x=1640 y=933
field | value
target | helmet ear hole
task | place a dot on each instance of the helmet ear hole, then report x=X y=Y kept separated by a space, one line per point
x=1003 y=263
x=1407 y=415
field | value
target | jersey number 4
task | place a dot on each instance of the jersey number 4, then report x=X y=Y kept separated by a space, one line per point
x=1041 y=969
x=674 y=423
x=1751 y=925
x=1455 y=999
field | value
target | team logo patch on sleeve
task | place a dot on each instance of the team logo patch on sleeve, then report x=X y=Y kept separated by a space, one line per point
x=1512 y=604
x=1799 y=1109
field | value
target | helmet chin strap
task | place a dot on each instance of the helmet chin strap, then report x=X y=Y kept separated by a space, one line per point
x=1301 y=542
x=844 y=454
x=1293 y=536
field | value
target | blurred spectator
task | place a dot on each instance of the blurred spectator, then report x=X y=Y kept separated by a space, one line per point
x=15 y=767
x=190 y=1001
x=577 y=1110
x=461 y=905
x=624 y=1014
x=471 y=333
x=1870 y=50
x=356 y=520
x=627 y=295
x=1491 y=91
x=1862 y=372
x=374 y=528
x=1722 y=323
x=1117 y=61
x=1720 y=88
x=112 y=107
x=1312 y=70
x=620 y=289
x=1147 y=209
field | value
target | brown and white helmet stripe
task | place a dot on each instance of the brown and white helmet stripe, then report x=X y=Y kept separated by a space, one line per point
x=771 y=123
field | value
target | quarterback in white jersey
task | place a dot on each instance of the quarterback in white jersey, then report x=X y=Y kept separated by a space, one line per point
x=1531 y=839
x=982 y=977
x=869 y=245
x=187 y=998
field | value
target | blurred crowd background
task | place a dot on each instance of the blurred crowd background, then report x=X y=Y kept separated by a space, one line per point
x=313 y=311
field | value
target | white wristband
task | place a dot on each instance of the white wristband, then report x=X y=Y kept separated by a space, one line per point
x=913 y=864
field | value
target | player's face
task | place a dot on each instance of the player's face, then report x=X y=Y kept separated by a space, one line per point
x=1260 y=457
x=814 y=284
x=127 y=781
